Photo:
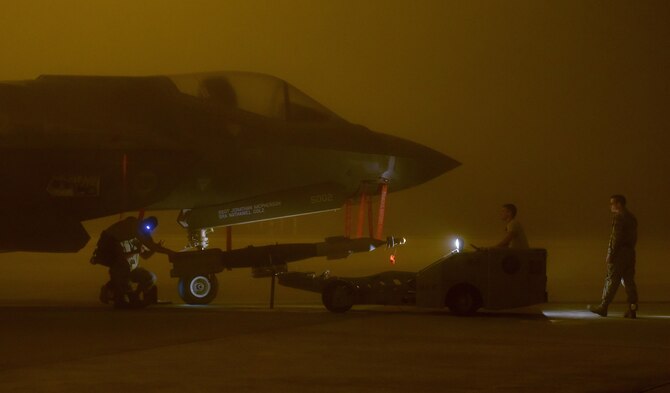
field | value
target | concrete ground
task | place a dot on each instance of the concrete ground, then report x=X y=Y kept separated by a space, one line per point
x=224 y=348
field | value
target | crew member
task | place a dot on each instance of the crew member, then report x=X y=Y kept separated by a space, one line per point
x=515 y=237
x=620 y=258
x=119 y=248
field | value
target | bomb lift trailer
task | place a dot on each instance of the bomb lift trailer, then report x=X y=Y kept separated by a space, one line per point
x=197 y=269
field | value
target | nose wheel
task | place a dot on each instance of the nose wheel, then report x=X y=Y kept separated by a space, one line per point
x=198 y=289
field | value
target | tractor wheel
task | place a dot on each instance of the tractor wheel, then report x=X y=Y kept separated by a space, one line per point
x=464 y=300
x=338 y=296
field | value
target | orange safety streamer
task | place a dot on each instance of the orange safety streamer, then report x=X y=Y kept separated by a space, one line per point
x=382 y=211
x=361 y=215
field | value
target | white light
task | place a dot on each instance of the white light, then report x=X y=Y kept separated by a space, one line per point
x=457 y=244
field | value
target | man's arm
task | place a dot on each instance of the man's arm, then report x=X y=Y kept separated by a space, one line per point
x=504 y=243
x=513 y=229
x=153 y=247
x=617 y=237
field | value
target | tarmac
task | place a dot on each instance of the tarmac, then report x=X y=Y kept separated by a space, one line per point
x=241 y=348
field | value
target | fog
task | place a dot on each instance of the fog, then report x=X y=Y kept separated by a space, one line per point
x=553 y=106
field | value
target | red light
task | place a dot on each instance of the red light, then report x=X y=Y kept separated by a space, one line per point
x=392 y=259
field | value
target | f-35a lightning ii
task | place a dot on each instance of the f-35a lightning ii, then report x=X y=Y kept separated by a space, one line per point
x=223 y=148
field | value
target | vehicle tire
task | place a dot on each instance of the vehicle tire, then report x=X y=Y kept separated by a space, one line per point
x=338 y=296
x=198 y=289
x=464 y=300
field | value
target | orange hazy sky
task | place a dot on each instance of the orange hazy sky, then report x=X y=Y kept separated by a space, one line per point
x=552 y=105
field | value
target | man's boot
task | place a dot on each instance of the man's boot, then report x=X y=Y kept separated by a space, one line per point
x=150 y=296
x=106 y=293
x=599 y=309
x=631 y=312
x=123 y=297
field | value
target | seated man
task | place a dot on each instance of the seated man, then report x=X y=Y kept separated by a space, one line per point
x=515 y=237
x=119 y=248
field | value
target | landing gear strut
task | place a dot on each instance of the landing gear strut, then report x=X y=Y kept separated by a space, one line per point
x=197 y=239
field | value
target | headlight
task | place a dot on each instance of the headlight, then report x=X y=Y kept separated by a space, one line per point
x=458 y=244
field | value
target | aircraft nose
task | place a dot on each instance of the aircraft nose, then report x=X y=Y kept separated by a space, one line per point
x=417 y=164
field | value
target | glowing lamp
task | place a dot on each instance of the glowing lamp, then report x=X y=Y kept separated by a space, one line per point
x=458 y=244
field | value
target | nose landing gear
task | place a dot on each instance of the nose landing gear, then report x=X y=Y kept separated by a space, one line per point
x=198 y=289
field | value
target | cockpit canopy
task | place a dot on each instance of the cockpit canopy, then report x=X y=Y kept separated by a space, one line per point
x=262 y=94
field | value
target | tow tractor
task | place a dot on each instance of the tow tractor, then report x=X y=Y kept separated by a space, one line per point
x=494 y=279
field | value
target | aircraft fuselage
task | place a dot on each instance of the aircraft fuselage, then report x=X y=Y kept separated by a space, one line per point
x=77 y=148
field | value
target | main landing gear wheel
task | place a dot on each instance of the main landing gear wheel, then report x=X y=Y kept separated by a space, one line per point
x=198 y=289
x=338 y=297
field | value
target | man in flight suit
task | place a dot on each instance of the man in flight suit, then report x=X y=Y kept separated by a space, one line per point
x=620 y=258
x=119 y=248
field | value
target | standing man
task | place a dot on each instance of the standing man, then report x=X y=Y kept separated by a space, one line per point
x=620 y=258
x=515 y=237
x=119 y=248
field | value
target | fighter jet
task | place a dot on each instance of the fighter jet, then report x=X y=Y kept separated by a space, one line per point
x=224 y=148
